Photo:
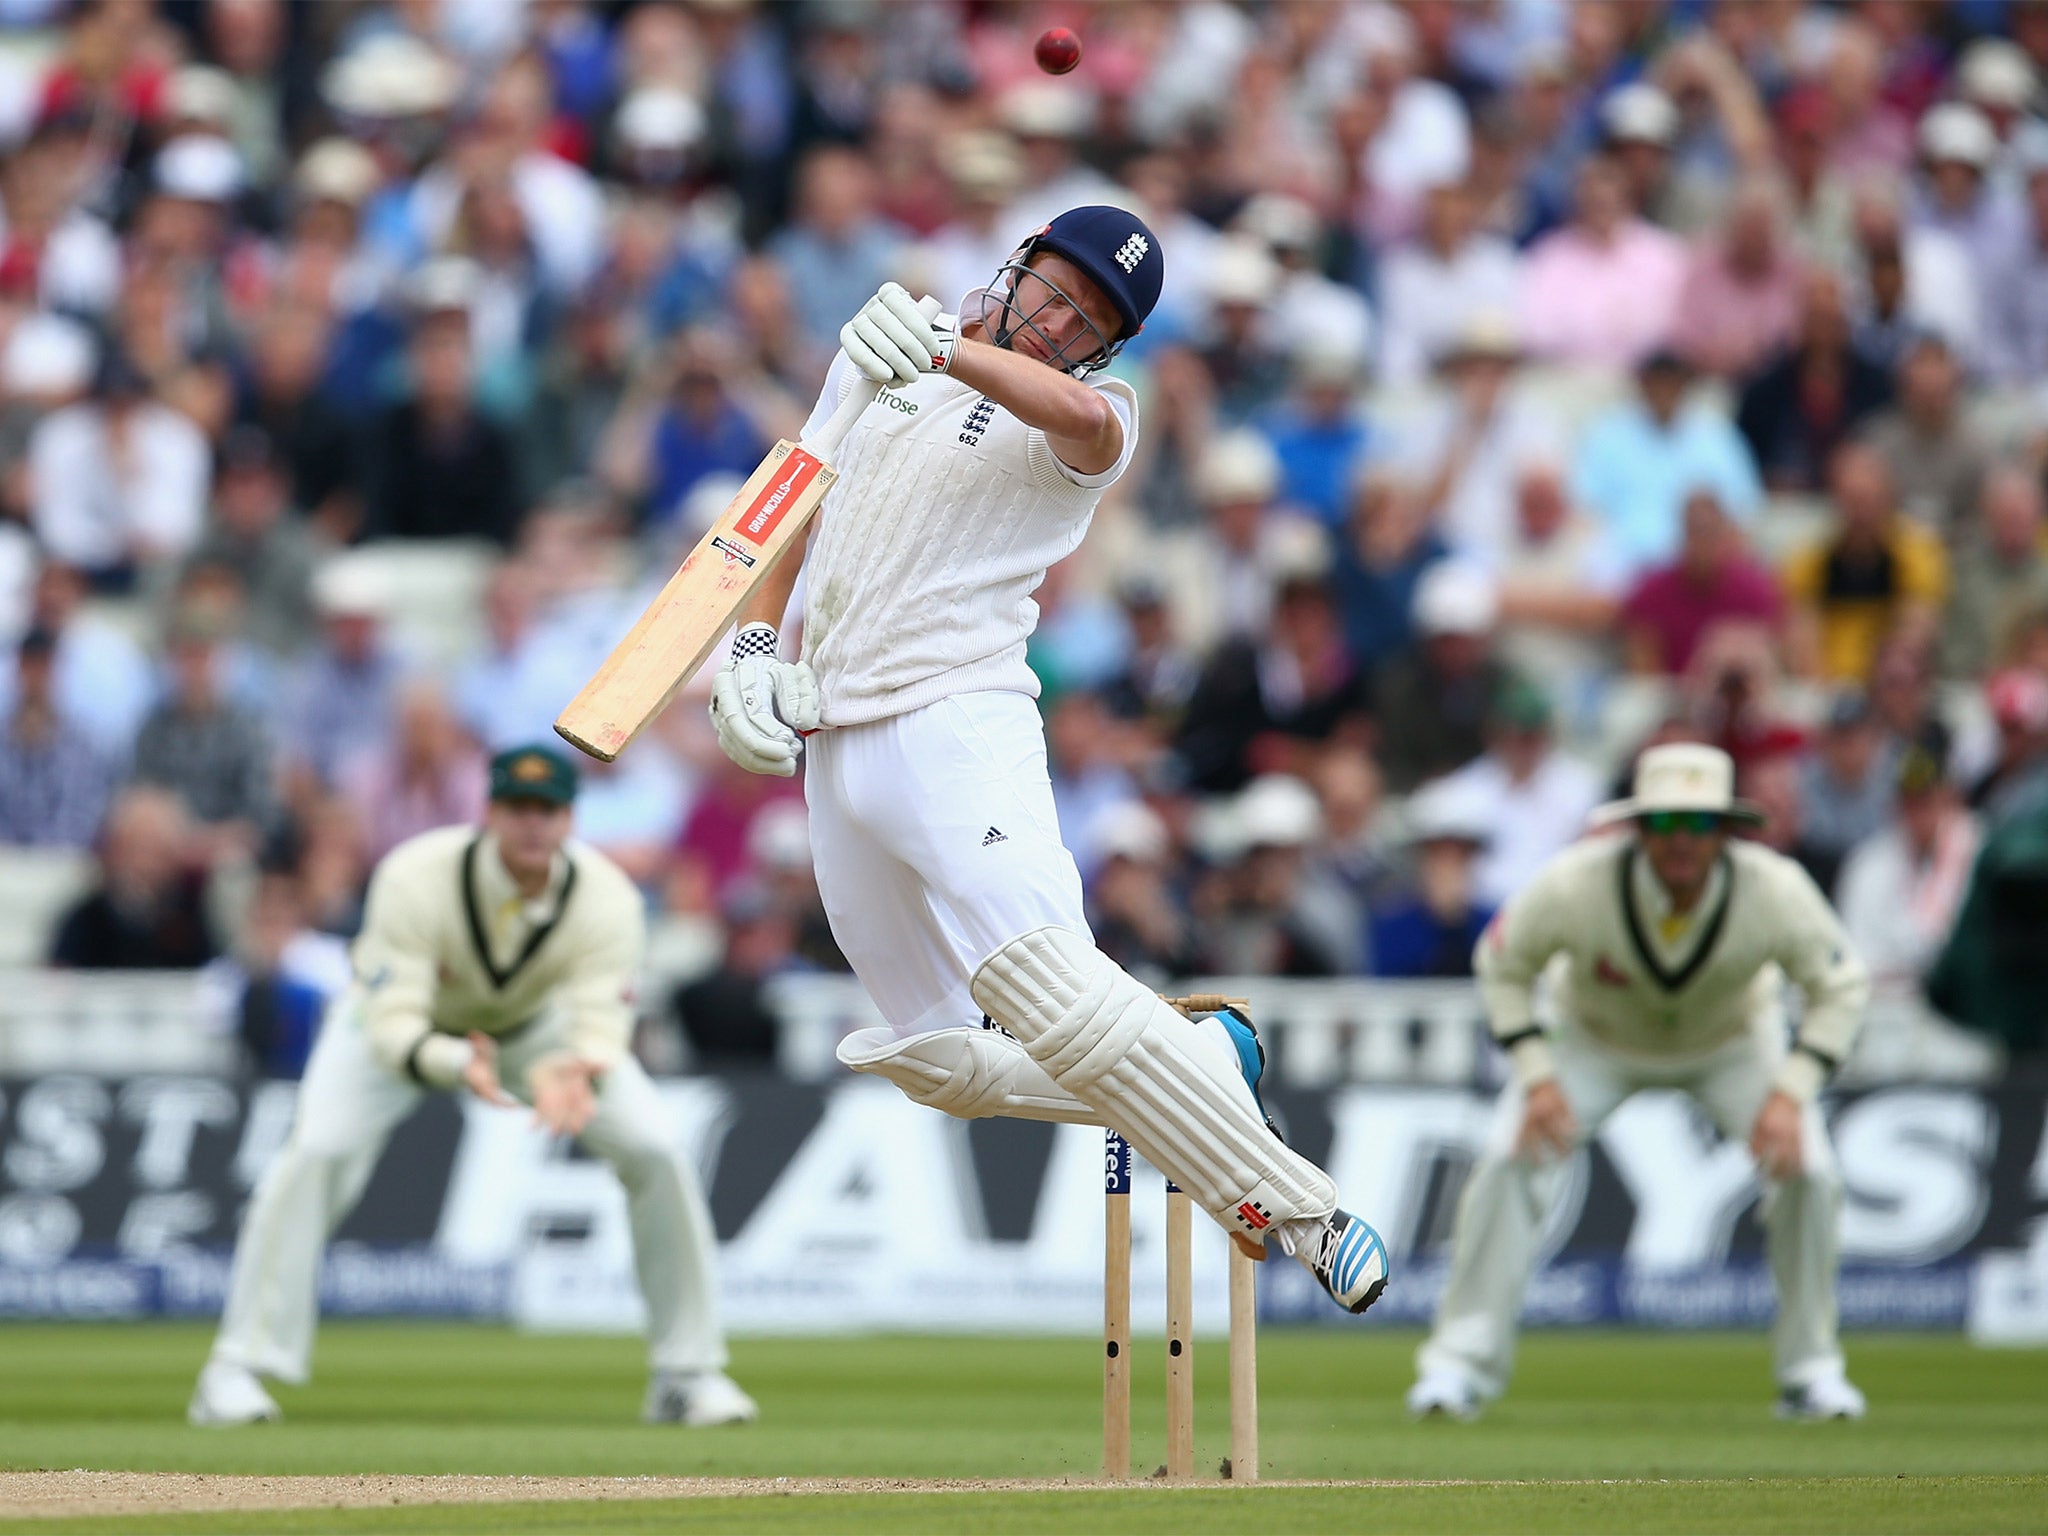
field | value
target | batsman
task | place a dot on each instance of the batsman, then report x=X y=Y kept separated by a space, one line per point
x=938 y=852
x=498 y=961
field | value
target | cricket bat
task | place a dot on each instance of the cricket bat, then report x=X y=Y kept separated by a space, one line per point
x=667 y=645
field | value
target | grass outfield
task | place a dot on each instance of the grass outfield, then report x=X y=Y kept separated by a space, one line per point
x=1957 y=1439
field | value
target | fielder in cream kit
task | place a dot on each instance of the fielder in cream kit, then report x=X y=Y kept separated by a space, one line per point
x=938 y=852
x=502 y=961
x=1667 y=950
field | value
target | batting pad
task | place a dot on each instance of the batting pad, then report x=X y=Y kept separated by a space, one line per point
x=968 y=1073
x=1175 y=1093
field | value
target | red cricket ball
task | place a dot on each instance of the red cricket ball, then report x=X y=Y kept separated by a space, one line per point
x=1058 y=50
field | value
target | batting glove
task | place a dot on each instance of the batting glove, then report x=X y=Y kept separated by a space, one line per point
x=759 y=702
x=892 y=342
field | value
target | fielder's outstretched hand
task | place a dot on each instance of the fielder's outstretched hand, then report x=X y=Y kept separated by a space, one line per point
x=480 y=1077
x=1549 y=1128
x=759 y=702
x=563 y=1100
x=892 y=342
x=1775 y=1139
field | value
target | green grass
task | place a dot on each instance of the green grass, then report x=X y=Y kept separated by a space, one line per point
x=1957 y=1438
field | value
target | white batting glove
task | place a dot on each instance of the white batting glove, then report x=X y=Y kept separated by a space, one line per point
x=759 y=702
x=892 y=342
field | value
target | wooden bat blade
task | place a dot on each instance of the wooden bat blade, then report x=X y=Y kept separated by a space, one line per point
x=678 y=629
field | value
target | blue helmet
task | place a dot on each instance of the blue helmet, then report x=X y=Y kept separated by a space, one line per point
x=1119 y=254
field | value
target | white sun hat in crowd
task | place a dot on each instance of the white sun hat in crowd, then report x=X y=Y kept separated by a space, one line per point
x=1956 y=131
x=1683 y=776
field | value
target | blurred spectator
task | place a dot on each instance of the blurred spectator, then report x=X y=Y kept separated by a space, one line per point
x=1914 y=277
x=246 y=39
x=438 y=467
x=717 y=821
x=1262 y=698
x=254 y=534
x=2016 y=293
x=725 y=1015
x=1259 y=920
x=1868 y=133
x=1433 y=703
x=1992 y=974
x=1641 y=461
x=1133 y=911
x=1159 y=671
x=284 y=974
x=2017 y=774
x=1902 y=693
x=1875 y=573
x=1958 y=195
x=1390 y=544
x=779 y=848
x=55 y=781
x=1531 y=799
x=1638 y=124
x=1720 y=132
x=1603 y=291
x=285 y=403
x=1434 y=289
x=700 y=429
x=985 y=170
x=1846 y=785
x=210 y=752
x=103 y=682
x=1560 y=587
x=1999 y=564
x=1220 y=578
x=340 y=696
x=1089 y=780
x=1308 y=309
x=1902 y=886
x=1241 y=347
x=118 y=480
x=1464 y=447
x=1432 y=927
x=631 y=811
x=1937 y=459
x=837 y=251
x=1813 y=396
x=1741 y=299
x=148 y=910
x=432 y=775
x=1050 y=121
x=1318 y=432
x=582 y=384
x=1715 y=581
x=1180 y=421
x=1351 y=850
x=513 y=687
x=47 y=363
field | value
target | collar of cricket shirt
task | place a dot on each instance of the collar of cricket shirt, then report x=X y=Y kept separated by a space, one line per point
x=488 y=891
x=1646 y=904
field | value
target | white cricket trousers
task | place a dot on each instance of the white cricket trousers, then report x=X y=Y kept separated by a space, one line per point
x=1501 y=1213
x=936 y=843
x=349 y=1103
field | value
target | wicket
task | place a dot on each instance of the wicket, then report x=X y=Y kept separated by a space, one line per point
x=1243 y=1465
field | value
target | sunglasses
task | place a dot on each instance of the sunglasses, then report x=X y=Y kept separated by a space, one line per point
x=1698 y=823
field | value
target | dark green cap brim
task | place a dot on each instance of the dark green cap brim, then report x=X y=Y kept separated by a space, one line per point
x=533 y=773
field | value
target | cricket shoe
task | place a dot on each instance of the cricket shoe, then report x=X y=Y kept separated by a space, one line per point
x=230 y=1394
x=1443 y=1394
x=698 y=1399
x=1349 y=1258
x=1826 y=1397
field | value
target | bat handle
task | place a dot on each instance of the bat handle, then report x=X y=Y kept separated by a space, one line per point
x=858 y=399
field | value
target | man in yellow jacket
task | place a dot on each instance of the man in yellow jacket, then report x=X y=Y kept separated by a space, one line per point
x=500 y=961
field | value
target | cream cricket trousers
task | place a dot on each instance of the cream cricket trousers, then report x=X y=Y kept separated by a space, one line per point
x=936 y=843
x=348 y=1105
x=1501 y=1212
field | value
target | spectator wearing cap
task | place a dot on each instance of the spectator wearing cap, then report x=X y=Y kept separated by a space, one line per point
x=985 y=169
x=2015 y=348
x=1437 y=286
x=1740 y=304
x=1434 y=702
x=1532 y=799
x=2000 y=568
x=1957 y=193
x=1262 y=700
x=254 y=534
x=1462 y=447
x=1390 y=544
x=187 y=223
x=119 y=480
x=1050 y=121
x=1257 y=915
x=1713 y=583
x=438 y=467
x=432 y=775
x=340 y=696
x=55 y=781
x=1639 y=127
x=211 y=752
x=1308 y=308
x=147 y=910
x=1902 y=886
x=284 y=400
x=1430 y=927
x=1846 y=783
x=1720 y=129
x=1874 y=573
x=1936 y=456
x=1134 y=911
x=1641 y=459
x=1910 y=277
x=1814 y=395
x=1603 y=291
x=2017 y=775
x=1319 y=432
x=1247 y=363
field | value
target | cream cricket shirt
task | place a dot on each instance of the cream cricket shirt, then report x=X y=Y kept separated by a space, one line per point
x=946 y=515
x=449 y=946
x=1647 y=983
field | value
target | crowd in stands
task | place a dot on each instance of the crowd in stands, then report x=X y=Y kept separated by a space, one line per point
x=1534 y=379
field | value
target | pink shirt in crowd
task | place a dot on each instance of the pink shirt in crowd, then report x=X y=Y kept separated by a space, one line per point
x=1604 y=305
x=1680 y=611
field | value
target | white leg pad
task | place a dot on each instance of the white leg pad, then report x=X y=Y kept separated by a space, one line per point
x=968 y=1073
x=1109 y=1040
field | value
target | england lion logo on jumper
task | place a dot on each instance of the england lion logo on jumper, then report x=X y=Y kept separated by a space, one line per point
x=1133 y=252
